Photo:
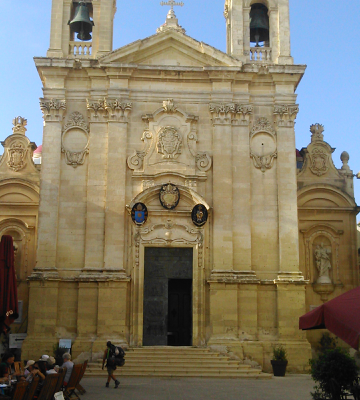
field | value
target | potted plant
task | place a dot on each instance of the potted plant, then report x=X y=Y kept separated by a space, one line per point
x=279 y=361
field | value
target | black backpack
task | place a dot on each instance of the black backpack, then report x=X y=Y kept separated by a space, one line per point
x=116 y=356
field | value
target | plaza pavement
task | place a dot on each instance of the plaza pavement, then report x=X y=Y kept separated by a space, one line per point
x=291 y=387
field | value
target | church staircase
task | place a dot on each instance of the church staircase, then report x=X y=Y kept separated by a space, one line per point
x=178 y=362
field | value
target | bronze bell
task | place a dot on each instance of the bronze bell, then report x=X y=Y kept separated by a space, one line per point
x=81 y=24
x=259 y=24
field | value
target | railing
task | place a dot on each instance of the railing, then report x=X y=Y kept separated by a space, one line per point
x=81 y=49
x=260 y=54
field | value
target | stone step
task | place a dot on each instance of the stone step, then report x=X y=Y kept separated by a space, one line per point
x=190 y=374
x=178 y=362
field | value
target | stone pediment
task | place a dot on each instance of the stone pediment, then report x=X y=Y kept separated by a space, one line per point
x=170 y=48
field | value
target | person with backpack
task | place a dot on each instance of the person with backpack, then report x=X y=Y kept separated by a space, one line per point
x=114 y=357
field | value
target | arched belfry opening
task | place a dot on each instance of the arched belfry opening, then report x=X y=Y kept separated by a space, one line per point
x=259 y=26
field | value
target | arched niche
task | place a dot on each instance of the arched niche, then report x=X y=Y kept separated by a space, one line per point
x=329 y=237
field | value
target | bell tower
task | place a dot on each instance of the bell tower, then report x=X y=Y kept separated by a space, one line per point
x=258 y=30
x=65 y=42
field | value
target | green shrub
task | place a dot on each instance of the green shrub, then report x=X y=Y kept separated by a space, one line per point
x=334 y=370
x=327 y=342
x=279 y=353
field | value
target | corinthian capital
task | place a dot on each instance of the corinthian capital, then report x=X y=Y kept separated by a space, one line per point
x=96 y=109
x=53 y=110
x=238 y=114
x=117 y=110
x=285 y=115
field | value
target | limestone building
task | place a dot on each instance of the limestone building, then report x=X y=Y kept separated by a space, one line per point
x=174 y=209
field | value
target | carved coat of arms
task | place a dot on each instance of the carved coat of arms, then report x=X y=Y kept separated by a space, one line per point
x=17 y=155
x=169 y=142
x=318 y=162
x=169 y=196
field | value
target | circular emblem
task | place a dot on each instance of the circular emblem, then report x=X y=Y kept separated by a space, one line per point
x=199 y=215
x=169 y=196
x=139 y=214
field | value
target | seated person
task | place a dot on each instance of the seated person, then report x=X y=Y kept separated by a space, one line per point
x=31 y=370
x=51 y=366
x=7 y=365
x=69 y=365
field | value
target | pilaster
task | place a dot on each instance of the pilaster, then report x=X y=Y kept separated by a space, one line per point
x=96 y=190
x=117 y=114
x=222 y=187
x=53 y=113
x=287 y=189
x=241 y=188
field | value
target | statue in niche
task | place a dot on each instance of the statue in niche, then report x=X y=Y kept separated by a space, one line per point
x=323 y=264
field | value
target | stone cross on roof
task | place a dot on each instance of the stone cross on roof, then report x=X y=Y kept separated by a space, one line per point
x=172 y=3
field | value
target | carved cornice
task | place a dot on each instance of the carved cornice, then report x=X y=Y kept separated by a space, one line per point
x=285 y=115
x=118 y=111
x=231 y=113
x=53 y=110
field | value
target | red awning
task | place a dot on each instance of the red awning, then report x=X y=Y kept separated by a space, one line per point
x=340 y=316
x=8 y=289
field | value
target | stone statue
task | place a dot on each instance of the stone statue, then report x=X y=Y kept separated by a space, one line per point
x=323 y=264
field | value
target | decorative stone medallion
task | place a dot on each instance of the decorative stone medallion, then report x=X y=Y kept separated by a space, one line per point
x=169 y=196
x=199 y=215
x=139 y=214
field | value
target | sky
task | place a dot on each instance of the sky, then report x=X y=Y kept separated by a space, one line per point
x=323 y=36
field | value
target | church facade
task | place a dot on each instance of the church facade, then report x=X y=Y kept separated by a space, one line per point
x=172 y=207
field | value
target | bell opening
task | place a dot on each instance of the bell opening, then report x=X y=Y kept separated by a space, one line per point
x=259 y=26
x=81 y=22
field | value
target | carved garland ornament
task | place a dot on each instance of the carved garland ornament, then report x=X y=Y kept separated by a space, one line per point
x=75 y=158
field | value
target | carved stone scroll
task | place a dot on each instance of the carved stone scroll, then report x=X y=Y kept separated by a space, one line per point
x=136 y=160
